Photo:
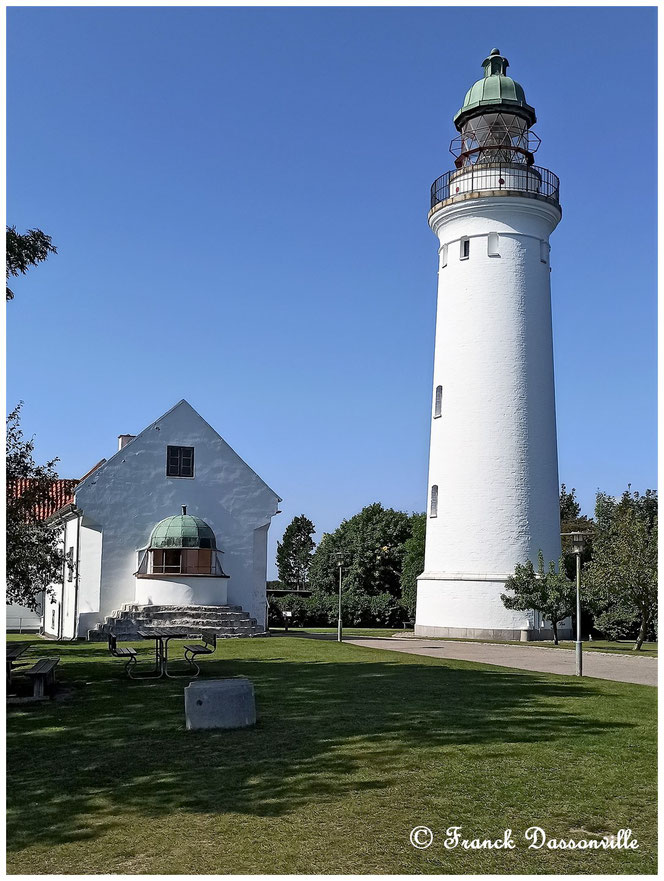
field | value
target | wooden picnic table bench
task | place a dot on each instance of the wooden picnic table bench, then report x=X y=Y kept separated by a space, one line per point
x=161 y=636
x=42 y=675
x=14 y=652
x=208 y=647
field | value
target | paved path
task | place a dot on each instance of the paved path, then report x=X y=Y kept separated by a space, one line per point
x=597 y=665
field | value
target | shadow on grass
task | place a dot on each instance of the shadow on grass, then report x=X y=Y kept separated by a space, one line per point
x=326 y=728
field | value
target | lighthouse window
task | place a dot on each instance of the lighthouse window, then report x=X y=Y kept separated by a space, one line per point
x=492 y=246
x=438 y=404
x=465 y=248
x=544 y=252
x=443 y=257
x=433 y=510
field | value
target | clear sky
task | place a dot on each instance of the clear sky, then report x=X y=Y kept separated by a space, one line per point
x=239 y=200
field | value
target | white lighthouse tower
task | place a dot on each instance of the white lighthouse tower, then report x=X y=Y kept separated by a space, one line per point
x=493 y=467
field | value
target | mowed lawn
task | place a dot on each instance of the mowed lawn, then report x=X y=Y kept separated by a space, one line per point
x=353 y=748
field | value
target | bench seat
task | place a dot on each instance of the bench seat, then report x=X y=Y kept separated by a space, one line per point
x=42 y=673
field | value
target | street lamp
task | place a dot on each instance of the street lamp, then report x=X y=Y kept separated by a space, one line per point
x=339 y=558
x=578 y=540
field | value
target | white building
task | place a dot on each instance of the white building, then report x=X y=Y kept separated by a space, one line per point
x=128 y=539
x=493 y=467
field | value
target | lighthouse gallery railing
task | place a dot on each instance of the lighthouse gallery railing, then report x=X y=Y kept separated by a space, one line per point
x=495 y=176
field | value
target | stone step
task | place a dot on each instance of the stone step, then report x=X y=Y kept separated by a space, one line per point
x=224 y=621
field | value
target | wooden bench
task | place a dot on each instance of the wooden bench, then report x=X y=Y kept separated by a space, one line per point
x=208 y=647
x=43 y=676
x=128 y=653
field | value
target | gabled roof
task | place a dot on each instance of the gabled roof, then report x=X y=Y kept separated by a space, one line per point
x=50 y=496
x=186 y=403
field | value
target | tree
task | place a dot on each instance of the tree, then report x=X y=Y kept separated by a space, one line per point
x=570 y=509
x=413 y=562
x=294 y=553
x=550 y=592
x=622 y=577
x=372 y=547
x=34 y=557
x=571 y=520
x=26 y=250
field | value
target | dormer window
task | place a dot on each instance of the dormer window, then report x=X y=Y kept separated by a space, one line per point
x=179 y=462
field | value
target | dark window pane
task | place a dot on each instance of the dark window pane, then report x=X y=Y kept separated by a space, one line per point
x=180 y=461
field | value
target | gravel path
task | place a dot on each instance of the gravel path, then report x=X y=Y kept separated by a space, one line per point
x=597 y=665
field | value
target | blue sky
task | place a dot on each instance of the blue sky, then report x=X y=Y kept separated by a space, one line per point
x=239 y=200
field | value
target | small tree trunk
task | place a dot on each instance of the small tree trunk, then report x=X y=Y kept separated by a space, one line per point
x=554 y=625
x=643 y=629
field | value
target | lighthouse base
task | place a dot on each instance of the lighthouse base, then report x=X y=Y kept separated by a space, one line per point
x=459 y=606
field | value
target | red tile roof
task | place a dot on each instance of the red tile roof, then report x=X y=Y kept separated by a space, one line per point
x=60 y=493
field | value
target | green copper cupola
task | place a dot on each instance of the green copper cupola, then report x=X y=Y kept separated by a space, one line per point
x=495 y=119
x=495 y=91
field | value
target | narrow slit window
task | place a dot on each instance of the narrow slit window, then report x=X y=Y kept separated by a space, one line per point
x=438 y=402
x=433 y=511
x=465 y=248
x=443 y=257
x=544 y=252
x=492 y=245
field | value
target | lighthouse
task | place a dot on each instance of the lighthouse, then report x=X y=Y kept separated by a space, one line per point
x=493 y=465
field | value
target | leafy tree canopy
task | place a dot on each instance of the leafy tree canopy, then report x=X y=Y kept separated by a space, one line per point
x=571 y=520
x=413 y=562
x=622 y=577
x=550 y=591
x=372 y=547
x=570 y=509
x=34 y=558
x=294 y=553
x=26 y=250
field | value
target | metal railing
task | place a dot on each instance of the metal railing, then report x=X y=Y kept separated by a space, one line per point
x=496 y=176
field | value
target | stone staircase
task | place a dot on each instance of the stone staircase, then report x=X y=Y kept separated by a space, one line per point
x=224 y=621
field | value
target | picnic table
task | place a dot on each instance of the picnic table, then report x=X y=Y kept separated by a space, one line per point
x=14 y=652
x=162 y=636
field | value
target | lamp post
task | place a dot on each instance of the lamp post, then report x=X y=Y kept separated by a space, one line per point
x=339 y=557
x=578 y=543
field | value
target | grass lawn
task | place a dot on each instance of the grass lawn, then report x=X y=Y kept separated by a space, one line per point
x=354 y=747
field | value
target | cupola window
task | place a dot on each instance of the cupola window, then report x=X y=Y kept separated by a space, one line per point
x=182 y=545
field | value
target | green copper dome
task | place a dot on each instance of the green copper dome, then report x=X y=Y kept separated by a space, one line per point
x=182 y=531
x=495 y=90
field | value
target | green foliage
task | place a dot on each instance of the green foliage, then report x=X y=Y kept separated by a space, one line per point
x=571 y=520
x=25 y=250
x=372 y=545
x=622 y=577
x=550 y=591
x=294 y=553
x=570 y=509
x=413 y=562
x=34 y=557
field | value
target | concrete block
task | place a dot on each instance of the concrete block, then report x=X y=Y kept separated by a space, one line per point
x=220 y=703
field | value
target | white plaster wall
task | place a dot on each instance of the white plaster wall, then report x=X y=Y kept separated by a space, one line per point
x=182 y=590
x=493 y=452
x=464 y=604
x=68 y=612
x=130 y=493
